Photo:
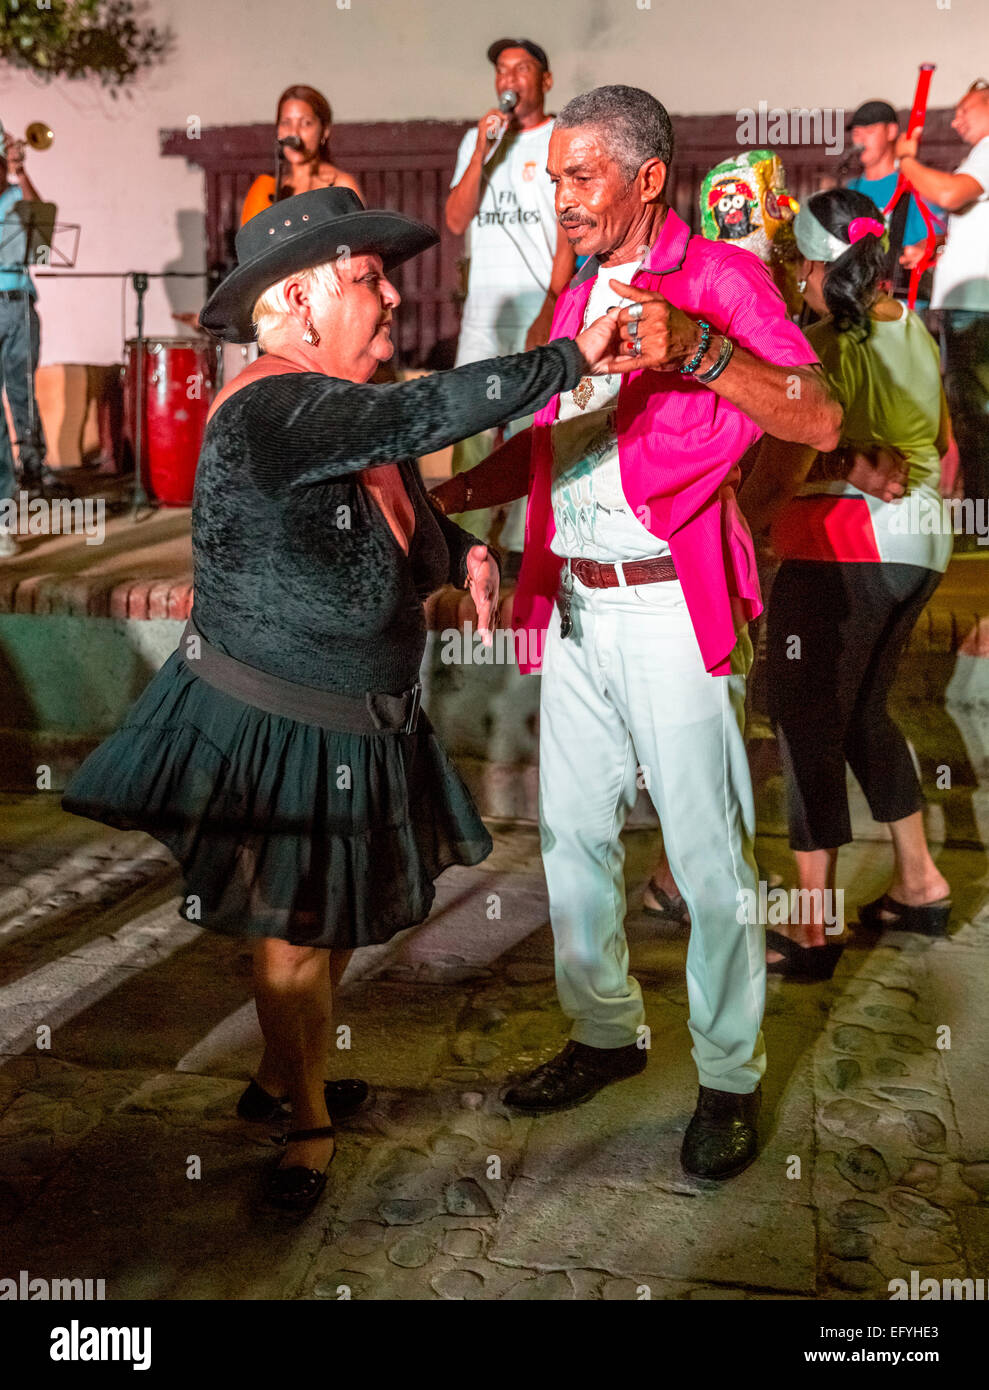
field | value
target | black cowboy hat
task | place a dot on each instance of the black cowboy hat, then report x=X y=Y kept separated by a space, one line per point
x=303 y=231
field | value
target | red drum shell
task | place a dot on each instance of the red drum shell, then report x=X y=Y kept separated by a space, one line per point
x=179 y=384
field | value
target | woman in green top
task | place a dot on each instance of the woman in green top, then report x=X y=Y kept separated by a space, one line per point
x=857 y=571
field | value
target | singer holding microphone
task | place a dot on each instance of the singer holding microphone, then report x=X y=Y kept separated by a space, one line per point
x=304 y=121
x=520 y=259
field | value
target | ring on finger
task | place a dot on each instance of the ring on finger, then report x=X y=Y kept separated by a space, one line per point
x=635 y=312
x=637 y=347
x=633 y=329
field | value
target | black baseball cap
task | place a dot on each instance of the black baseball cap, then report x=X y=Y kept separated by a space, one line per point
x=874 y=113
x=499 y=46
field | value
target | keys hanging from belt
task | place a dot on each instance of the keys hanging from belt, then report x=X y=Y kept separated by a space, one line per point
x=566 y=622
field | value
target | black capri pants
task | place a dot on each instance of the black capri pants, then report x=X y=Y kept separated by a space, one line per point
x=836 y=631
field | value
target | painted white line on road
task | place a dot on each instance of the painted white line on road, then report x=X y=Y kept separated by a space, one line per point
x=59 y=991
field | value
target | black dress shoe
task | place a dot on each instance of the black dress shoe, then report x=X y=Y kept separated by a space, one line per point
x=721 y=1139
x=573 y=1076
x=343 y=1098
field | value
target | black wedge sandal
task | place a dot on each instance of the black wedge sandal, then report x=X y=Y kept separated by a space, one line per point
x=886 y=914
x=296 y=1189
x=802 y=962
x=343 y=1099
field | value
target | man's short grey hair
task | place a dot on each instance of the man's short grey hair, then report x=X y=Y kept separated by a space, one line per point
x=634 y=125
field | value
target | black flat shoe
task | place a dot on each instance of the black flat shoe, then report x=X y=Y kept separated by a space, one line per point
x=573 y=1076
x=721 y=1139
x=296 y=1189
x=802 y=962
x=886 y=914
x=343 y=1098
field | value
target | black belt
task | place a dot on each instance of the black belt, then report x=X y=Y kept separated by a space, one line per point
x=345 y=714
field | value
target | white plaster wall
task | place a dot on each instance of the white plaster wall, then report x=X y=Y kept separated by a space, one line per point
x=412 y=59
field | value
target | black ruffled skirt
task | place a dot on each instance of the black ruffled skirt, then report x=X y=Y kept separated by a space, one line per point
x=283 y=828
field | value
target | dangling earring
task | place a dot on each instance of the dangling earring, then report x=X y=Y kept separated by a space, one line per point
x=310 y=336
x=801 y=285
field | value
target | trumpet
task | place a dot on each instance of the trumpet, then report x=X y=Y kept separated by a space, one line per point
x=39 y=135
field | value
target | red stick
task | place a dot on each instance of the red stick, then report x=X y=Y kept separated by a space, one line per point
x=918 y=113
x=915 y=129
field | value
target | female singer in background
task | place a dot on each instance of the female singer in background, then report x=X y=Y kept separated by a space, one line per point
x=303 y=113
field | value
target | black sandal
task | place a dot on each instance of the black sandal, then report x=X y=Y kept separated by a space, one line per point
x=343 y=1099
x=802 y=962
x=930 y=919
x=296 y=1189
x=672 y=907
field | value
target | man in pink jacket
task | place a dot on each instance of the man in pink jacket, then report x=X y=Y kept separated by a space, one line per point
x=639 y=573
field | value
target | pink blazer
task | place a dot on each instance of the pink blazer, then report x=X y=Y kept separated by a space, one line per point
x=678 y=444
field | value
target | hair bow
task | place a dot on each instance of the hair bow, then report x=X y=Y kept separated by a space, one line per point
x=864 y=226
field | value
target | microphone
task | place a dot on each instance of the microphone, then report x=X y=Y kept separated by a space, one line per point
x=290 y=142
x=507 y=102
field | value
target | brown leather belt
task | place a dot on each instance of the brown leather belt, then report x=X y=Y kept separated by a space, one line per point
x=597 y=576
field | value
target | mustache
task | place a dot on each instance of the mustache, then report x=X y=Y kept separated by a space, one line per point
x=576 y=222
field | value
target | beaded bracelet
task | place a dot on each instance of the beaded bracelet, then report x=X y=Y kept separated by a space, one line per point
x=698 y=356
x=724 y=357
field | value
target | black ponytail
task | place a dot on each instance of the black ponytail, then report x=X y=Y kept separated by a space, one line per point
x=852 y=282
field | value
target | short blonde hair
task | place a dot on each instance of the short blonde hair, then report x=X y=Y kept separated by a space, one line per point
x=271 y=309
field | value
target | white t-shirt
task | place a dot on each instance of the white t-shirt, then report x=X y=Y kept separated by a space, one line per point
x=511 y=242
x=961 y=276
x=593 y=518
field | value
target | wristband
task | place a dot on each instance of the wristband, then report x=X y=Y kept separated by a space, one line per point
x=698 y=356
x=724 y=357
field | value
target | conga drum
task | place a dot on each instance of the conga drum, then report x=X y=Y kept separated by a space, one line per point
x=179 y=384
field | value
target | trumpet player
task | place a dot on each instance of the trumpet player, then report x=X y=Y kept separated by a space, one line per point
x=20 y=338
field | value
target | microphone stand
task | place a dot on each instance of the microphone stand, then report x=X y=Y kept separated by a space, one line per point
x=279 y=156
x=140 y=501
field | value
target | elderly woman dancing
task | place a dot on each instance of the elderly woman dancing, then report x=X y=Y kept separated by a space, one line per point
x=280 y=752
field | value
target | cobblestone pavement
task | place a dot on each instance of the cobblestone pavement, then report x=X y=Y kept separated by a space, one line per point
x=121 y=1157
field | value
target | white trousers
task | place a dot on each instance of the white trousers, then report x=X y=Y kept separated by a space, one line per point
x=626 y=702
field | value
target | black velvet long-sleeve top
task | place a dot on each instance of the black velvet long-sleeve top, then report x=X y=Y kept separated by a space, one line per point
x=295 y=567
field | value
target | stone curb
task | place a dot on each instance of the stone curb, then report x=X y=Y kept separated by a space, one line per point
x=97 y=596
